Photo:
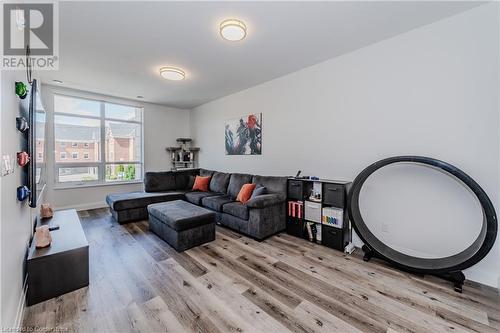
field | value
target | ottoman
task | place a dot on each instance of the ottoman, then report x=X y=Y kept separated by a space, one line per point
x=181 y=224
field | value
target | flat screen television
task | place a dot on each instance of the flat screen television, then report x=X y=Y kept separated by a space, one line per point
x=37 y=146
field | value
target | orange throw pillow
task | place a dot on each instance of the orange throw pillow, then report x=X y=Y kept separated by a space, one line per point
x=201 y=183
x=245 y=192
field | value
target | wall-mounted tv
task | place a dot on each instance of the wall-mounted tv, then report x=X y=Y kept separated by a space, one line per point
x=37 y=146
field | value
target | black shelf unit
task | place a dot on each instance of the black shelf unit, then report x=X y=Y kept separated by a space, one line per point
x=334 y=195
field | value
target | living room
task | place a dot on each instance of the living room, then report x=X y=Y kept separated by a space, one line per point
x=250 y=166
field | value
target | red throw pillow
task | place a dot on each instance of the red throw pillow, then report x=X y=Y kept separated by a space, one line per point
x=245 y=193
x=201 y=183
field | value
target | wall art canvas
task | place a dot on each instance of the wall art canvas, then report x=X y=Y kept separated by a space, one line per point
x=243 y=135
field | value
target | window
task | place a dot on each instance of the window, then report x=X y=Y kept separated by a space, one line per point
x=111 y=135
x=40 y=155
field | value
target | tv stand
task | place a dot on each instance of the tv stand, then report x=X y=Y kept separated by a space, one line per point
x=61 y=267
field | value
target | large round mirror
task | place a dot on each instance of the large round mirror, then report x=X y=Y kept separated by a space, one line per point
x=422 y=214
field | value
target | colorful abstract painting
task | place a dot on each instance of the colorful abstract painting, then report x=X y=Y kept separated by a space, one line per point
x=243 y=135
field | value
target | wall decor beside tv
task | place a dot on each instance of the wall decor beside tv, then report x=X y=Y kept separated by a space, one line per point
x=243 y=135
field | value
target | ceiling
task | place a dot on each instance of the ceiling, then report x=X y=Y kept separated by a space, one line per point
x=116 y=48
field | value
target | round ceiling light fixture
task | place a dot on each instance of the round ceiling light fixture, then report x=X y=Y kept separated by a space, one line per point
x=172 y=73
x=233 y=30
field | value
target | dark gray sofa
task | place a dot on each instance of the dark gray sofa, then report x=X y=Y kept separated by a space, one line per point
x=259 y=218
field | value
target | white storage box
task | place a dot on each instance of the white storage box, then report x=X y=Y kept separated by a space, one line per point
x=313 y=211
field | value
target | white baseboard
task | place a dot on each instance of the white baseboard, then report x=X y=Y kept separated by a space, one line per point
x=85 y=206
x=21 y=307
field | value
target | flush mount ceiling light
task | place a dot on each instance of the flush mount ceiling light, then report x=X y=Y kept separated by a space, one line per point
x=233 y=30
x=172 y=73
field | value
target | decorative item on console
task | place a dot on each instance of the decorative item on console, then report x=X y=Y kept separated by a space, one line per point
x=42 y=236
x=46 y=211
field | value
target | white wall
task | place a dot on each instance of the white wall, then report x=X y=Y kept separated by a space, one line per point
x=162 y=125
x=16 y=217
x=432 y=91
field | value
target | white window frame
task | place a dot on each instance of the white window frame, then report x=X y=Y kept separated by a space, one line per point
x=73 y=154
x=86 y=145
x=101 y=165
x=74 y=144
x=63 y=153
x=86 y=156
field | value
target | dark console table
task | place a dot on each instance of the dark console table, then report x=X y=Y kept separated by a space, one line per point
x=61 y=267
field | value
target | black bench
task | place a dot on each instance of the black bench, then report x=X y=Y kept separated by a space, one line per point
x=182 y=224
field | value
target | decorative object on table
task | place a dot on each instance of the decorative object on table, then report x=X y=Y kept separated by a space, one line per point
x=46 y=211
x=243 y=135
x=23 y=192
x=315 y=196
x=183 y=156
x=21 y=90
x=449 y=267
x=23 y=158
x=22 y=124
x=42 y=236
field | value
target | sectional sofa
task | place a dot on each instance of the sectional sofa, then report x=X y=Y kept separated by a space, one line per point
x=260 y=217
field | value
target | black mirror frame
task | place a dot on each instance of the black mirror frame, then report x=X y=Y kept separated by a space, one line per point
x=481 y=246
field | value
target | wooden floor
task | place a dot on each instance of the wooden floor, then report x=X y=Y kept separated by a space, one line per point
x=235 y=284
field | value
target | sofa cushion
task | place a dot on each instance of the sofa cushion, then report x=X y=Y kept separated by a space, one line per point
x=201 y=183
x=259 y=190
x=196 y=196
x=216 y=203
x=245 y=193
x=236 y=209
x=205 y=172
x=184 y=179
x=236 y=182
x=219 y=182
x=159 y=181
x=131 y=200
x=181 y=215
x=275 y=185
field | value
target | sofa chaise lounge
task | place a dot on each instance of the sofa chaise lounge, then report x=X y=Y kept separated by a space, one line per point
x=260 y=217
